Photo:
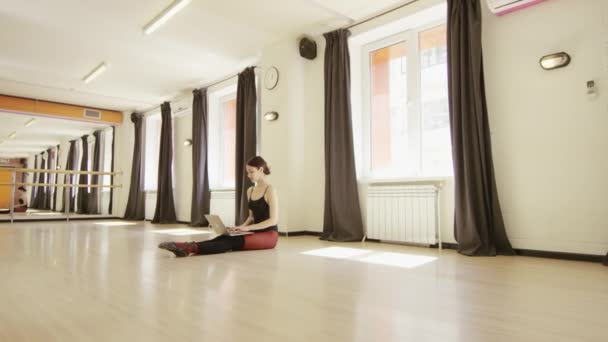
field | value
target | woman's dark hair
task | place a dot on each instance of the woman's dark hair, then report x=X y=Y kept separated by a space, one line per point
x=259 y=162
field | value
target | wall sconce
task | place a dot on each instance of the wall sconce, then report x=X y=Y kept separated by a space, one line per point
x=271 y=116
x=554 y=61
x=188 y=142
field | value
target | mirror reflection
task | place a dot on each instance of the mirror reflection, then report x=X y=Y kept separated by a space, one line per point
x=65 y=153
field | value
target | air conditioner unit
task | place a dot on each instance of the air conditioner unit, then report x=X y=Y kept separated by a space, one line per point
x=92 y=114
x=502 y=7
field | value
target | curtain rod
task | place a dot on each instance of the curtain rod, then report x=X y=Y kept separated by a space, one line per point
x=223 y=80
x=205 y=86
x=380 y=14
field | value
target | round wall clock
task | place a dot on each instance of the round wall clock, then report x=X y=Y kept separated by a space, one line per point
x=271 y=78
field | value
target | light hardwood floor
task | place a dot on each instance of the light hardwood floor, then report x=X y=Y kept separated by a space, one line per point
x=82 y=281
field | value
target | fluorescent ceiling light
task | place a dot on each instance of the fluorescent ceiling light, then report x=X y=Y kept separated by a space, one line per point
x=12 y=135
x=165 y=15
x=95 y=72
x=30 y=122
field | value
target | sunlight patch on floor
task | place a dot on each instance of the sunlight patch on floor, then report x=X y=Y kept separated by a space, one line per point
x=373 y=257
x=181 y=231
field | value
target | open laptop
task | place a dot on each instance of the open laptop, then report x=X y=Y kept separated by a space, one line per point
x=215 y=223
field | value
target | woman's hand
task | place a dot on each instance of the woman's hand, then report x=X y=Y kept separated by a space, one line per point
x=240 y=229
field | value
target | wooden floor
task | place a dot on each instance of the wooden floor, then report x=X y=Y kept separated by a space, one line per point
x=82 y=281
x=37 y=214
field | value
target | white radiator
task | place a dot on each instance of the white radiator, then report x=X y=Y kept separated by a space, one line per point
x=403 y=213
x=222 y=204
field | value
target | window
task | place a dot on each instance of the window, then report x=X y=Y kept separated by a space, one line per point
x=435 y=143
x=222 y=138
x=152 y=150
x=405 y=112
x=106 y=138
x=91 y=150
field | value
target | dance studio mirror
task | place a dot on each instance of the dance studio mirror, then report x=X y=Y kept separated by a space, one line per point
x=47 y=167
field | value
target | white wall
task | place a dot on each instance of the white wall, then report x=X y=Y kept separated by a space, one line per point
x=222 y=204
x=64 y=148
x=286 y=142
x=182 y=128
x=30 y=178
x=549 y=138
x=550 y=180
x=294 y=145
x=123 y=154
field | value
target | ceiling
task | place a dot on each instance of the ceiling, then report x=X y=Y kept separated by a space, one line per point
x=49 y=46
x=44 y=133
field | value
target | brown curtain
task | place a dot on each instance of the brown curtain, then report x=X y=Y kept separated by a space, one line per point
x=478 y=223
x=34 y=180
x=246 y=101
x=136 y=202
x=342 y=213
x=70 y=165
x=47 y=193
x=200 y=177
x=94 y=193
x=165 y=206
x=40 y=193
x=83 y=179
x=110 y=206
x=56 y=177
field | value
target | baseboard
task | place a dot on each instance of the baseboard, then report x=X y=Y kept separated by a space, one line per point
x=559 y=255
x=542 y=254
x=61 y=219
x=518 y=251
x=446 y=245
x=300 y=233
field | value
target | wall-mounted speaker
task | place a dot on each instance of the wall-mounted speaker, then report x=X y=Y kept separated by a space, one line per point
x=308 y=48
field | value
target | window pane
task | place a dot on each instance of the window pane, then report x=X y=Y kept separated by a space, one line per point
x=392 y=130
x=107 y=157
x=229 y=141
x=152 y=146
x=436 y=145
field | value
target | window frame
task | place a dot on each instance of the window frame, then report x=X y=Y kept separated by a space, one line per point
x=156 y=115
x=106 y=148
x=217 y=98
x=413 y=102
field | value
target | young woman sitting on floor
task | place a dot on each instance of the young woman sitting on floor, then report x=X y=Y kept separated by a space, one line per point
x=262 y=220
